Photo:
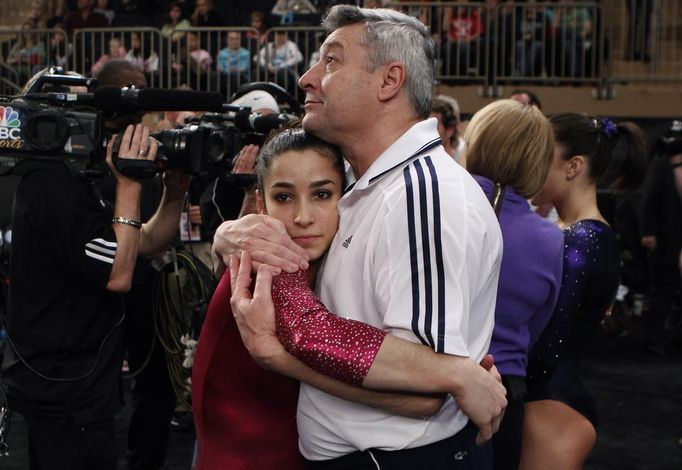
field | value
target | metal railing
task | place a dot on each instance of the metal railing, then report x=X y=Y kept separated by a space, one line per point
x=582 y=43
x=645 y=41
x=8 y=80
x=144 y=47
x=25 y=52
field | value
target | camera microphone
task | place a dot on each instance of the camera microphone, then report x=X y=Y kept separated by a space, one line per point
x=247 y=121
x=112 y=100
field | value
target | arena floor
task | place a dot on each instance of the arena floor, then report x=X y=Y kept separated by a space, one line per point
x=639 y=393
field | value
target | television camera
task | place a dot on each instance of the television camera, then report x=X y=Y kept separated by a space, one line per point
x=58 y=125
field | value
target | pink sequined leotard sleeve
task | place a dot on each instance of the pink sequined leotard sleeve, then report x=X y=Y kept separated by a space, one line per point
x=337 y=347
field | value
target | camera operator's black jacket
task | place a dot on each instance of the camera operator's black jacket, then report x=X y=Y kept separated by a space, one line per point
x=661 y=211
x=62 y=320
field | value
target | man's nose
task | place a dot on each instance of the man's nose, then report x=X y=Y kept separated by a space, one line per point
x=307 y=80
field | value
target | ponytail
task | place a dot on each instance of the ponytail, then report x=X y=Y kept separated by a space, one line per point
x=628 y=160
x=617 y=154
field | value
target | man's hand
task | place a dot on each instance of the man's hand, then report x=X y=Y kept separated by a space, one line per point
x=254 y=314
x=266 y=240
x=482 y=396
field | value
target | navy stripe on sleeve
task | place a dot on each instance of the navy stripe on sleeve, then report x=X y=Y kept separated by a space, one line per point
x=438 y=247
x=414 y=265
x=426 y=252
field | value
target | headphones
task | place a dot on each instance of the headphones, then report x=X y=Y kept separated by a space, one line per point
x=279 y=93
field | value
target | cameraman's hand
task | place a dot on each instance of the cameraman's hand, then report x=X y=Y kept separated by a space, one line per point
x=245 y=161
x=195 y=215
x=176 y=183
x=649 y=242
x=135 y=145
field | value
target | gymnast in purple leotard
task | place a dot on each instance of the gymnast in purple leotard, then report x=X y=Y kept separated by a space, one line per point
x=560 y=414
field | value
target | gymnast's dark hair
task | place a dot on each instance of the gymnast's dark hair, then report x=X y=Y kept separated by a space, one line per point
x=533 y=99
x=617 y=153
x=295 y=139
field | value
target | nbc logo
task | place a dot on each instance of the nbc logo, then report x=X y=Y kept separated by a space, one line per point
x=10 y=128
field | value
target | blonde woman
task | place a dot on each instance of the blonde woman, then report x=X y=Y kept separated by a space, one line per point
x=509 y=151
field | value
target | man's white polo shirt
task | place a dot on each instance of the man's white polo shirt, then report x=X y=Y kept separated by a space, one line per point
x=417 y=254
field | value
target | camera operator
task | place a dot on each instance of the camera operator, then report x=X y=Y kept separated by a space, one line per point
x=72 y=258
x=152 y=396
x=676 y=163
x=222 y=200
x=661 y=214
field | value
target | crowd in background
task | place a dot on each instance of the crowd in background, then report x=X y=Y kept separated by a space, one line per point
x=506 y=39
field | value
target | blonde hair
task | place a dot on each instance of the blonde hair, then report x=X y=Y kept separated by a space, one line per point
x=512 y=144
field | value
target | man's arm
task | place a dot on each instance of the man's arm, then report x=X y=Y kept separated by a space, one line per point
x=414 y=406
x=266 y=240
x=158 y=233
x=398 y=365
x=127 y=207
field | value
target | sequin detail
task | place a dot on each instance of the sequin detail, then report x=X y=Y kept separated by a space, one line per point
x=589 y=283
x=340 y=348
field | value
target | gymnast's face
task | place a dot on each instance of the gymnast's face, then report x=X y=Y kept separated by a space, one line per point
x=301 y=190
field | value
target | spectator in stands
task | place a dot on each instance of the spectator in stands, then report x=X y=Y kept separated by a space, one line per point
x=193 y=64
x=56 y=13
x=446 y=110
x=462 y=26
x=38 y=14
x=572 y=29
x=85 y=17
x=280 y=59
x=286 y=9
x=141 y=54
x=116 y=51
x=103 y=8
x=59 y=51
x=533 y=29
x=27 y=54
x=526 y=97
x=257 y=38
x=639 y=29
x=176 y=20
x=205 y=15
x=234 y=63
x=498 y=24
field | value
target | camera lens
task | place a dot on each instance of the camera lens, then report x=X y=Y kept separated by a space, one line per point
x=216 y=147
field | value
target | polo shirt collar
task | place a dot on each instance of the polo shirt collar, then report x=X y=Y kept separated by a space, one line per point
x=419 y=138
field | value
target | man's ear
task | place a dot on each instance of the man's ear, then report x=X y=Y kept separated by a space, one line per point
x=576 y=166
x=260 y=204
x=393 y=80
